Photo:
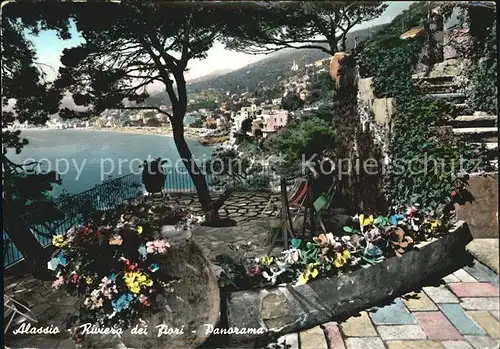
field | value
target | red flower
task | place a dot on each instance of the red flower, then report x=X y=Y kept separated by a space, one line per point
x=145 y=300
x=254 y=271
x=75 y=277
x=412 y=212
x=453 y=193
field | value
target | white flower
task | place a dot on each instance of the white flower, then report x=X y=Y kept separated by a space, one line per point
x=346 y=238
x=291 y=256
x=274 y=274
x=281 y=264
x=331 y=238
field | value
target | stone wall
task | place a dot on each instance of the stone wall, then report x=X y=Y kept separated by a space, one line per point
x=287 y=309
x=482 y=213
x=375 y=117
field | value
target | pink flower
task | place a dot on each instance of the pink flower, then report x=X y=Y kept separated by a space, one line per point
x=108 y=287
x=157 y=246
x=58 y=283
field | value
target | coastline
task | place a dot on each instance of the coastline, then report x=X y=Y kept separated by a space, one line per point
x=193 y=133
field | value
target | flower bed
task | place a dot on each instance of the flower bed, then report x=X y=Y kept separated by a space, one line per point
x=292 y=308
x=365 y=242
x=114 y=263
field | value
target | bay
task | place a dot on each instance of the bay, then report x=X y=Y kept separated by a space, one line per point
x=86 y=158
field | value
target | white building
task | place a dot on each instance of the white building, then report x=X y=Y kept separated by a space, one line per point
x=276 y=101
x=245 y=113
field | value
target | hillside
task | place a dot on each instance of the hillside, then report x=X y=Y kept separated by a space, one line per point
x=264 y=72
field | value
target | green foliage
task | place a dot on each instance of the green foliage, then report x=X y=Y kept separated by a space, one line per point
x=324 y=112
x=292 y=102
x=326 y=86
x=246 y=125
x=484 y=95
x=283 y=25
x=153 y=122
x=422 y=168
x=198 y=123
x=27 y=187
x=306 y=138
x=229 y=168
x=483 y=74
x=390 y=60
x=203 y=104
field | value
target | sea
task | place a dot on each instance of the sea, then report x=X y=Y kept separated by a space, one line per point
x=85 y=158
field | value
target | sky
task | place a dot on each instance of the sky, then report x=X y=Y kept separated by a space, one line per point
x=49 y=49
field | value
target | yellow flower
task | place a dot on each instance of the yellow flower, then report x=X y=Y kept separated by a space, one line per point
x=139 y=229
x=364 y=221
x=310 y=273
x=434 y=224
x=134 y=288
x=266 y=260
x=89 y=280
x=341 y=258
x=134 y=281
x=58 y=241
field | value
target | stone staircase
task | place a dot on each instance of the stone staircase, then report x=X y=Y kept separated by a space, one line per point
x=445 y=88
x=479 y=128
x=473 y=127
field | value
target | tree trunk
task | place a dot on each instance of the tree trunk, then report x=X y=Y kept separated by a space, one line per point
x=20 y=234
x=209 y=206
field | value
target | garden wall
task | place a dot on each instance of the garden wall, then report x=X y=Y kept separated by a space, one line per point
x=482 y=213
x=287 y=309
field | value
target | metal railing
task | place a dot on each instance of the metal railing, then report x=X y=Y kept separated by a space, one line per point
x=112 y=192
x=71 y=211
x=178 y=180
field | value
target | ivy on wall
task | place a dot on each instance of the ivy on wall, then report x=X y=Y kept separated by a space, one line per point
x=422 y=168
x=483 y=96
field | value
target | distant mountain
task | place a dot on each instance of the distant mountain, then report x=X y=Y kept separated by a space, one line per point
x=264 y=72
x=212 y=75
x=267 y=70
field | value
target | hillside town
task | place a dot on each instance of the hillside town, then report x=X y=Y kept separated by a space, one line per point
x=220 y=115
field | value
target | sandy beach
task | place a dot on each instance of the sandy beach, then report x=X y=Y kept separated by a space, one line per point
x=163 y=131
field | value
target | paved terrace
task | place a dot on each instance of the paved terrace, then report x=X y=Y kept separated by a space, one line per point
x=245 y=208
x=459 y=312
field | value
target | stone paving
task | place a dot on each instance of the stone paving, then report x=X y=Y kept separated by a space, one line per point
x=251 y=224
x=462 y=312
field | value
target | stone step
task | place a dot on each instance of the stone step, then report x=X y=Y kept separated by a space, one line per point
x=438 y=89
x=477 y=134
x=491 y=149
x=434 y=80
x=455 y=98
x=474 y=121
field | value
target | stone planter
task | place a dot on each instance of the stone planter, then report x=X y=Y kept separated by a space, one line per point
x=287 y=309
x=194 y=303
